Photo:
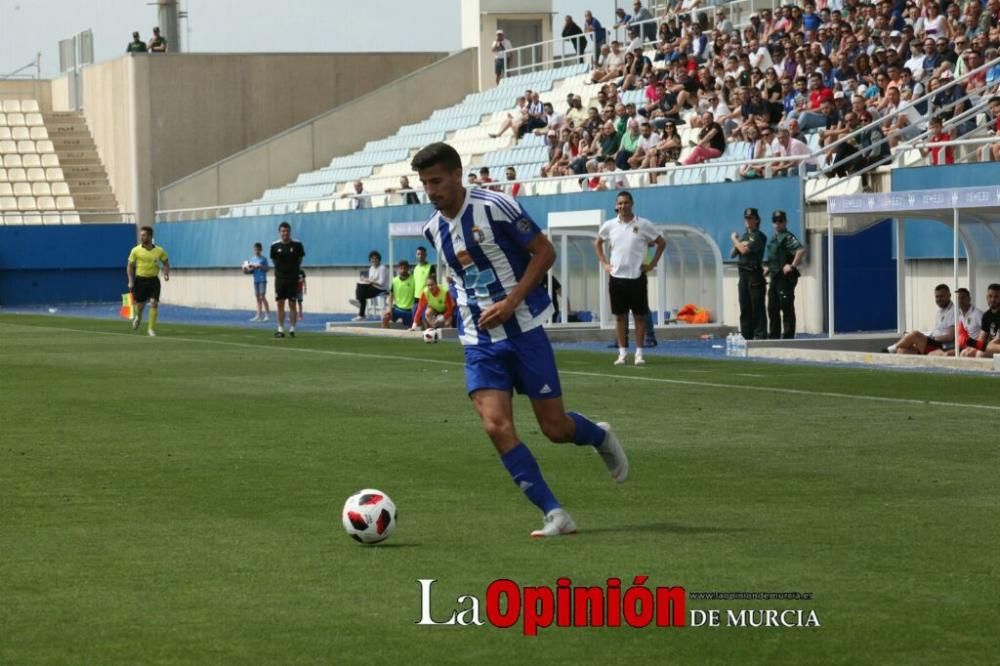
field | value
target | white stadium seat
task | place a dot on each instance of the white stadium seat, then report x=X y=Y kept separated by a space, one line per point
x=8 y=203
x=22 y=189
x=39 y=133
x=26 y=203
x=47 y=203
x=16 y=174
x=11 y=160
x=65 y=203
x=3 y=119
x=6 y=189
x=44 y=147
x=31 y=161
x=26 y=146
x=50 y=160
x=51 y=218
x=11 y=105
x=41 y=189
x=33 y=218
x=5 y=133
x=71 y=218
x=36 y=175
x=19 y=133
x=29 y=106
x=8 y=147
x=60 y=189
x=3 y=175
x=34 y=120
x=53 y=174
x=15 y=119
x=12 y=218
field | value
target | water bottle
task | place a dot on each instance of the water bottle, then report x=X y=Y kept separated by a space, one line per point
x=729 y=344
x=741 y=345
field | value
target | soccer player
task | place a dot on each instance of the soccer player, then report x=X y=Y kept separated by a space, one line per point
x=986 y=344
x=143 y=271
x=286 y=255
x=498 y=256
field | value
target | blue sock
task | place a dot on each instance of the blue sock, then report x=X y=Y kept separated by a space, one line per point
x=587 y=431
x=523 y=468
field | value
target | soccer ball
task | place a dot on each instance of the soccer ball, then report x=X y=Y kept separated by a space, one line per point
x=369 y=516
x=432 y=335
x=246 y=267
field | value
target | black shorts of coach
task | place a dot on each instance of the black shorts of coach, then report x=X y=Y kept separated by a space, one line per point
x=145 y=289
x=628 y=295
x=286 y=288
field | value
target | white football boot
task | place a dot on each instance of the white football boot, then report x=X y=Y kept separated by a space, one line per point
x=557 y=523
x=613 y=454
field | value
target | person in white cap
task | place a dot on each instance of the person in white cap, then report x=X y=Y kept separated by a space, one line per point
x=501 y=57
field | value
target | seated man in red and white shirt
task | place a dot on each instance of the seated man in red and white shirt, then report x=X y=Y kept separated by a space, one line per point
x=942 y=336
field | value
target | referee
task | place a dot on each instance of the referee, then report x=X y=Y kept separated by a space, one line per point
x=286 y=255
x=629 y=236
x=143 y=271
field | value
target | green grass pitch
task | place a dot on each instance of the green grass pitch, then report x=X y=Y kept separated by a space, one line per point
x=177 y=500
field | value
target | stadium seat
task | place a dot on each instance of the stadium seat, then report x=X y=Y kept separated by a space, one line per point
x=26 y=146
x=38 y=133
x=32 y=218
x=10 y=105
x=46 y=203
x=6 y=189
x=41 y=189
x=71 y=218
x=29 y=106
x=22 y=189
x=20 y=134
x=30 y=161
x=50 y=160
x=34 y=120
x=8 y=147
x=35 y=175
x=3 y=119
x=27 y=203
x=15 y=119
x=44 y=147
x=3 y=175
x=11 y=160
x=8 y=203
x=53 y=174
x=51 y=218
x=60 y=189
x=5 y=133
x=65 y=203
x=12 y=218
x=16 y=174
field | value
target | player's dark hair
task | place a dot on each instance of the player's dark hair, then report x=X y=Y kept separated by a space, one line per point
x=403 y=262
x=962 y=290
x=942 y=286
x=376 y=254
x=485 y=170
x=421 y=248
x=627 y=195
x=258 y=246
x=993 y=287
x=434 y=154
x=284 y=225
x=149 y=229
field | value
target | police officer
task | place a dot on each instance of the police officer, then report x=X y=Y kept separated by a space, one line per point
x=784 y=254
x=750 y=249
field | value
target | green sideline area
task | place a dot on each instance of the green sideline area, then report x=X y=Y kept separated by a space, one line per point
x=177 y=500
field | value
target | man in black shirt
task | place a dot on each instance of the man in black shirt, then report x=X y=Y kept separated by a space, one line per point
x=988 y=343
x=286 y=255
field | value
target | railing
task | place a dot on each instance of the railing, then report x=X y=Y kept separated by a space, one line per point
x=292 y=207
x=953 y=143
x=62 y=217
x=927 y=97
x=562 y=51
x=21 y=74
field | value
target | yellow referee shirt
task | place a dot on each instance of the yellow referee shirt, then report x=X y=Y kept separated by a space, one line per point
x=147 y=262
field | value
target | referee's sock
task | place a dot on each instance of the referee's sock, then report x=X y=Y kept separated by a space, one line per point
x=153 y=314
x=523 y=469
x=586 y=432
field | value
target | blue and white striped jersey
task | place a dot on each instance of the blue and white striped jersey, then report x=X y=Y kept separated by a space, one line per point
x=485 y=248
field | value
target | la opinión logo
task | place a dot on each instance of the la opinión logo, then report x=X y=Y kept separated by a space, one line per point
x=565 y=605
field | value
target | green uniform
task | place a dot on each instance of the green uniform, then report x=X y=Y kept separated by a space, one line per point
x=403 y=292
x=420 y=273
x=753 y=317
x=135 y=47
x=781 y=291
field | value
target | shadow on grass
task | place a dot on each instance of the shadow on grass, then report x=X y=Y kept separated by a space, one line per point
x=664 y=528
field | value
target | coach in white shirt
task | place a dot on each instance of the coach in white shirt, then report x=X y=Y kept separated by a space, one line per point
x=629 y=236
x=940 y=337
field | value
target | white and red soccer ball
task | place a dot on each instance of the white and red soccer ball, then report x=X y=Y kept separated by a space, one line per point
x=432 y=335
x=369 y=516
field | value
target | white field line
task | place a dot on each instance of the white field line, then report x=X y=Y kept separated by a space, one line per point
x=577 y=373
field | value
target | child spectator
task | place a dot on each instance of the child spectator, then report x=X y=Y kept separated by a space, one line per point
x=258 y=266
x=301 y=291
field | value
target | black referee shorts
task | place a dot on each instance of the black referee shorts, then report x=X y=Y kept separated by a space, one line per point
x=146 y=288
x=286 y=288
x=628 y=295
